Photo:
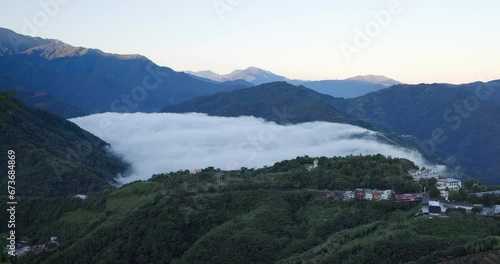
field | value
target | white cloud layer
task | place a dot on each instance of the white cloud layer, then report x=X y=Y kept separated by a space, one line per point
x=164 y=142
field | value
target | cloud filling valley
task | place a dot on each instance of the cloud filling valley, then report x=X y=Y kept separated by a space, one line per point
x=164 y=142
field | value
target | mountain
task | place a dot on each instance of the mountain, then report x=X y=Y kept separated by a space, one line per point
x=341 y=88
x=458 y=123
x=269 y=215
x=253 y=75
x=375 y=79
x=53 y=157
x=41 y=100
x=348 y=88
x=12 y=43
x=279 y=101
x=94 y=81
x=210 y=75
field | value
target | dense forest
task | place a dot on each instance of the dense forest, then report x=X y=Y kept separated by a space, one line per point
x=267 y=215
x=54 y=157
x=426 y=110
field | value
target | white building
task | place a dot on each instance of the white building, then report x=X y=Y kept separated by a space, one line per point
x=423 y=174
x=81 y=196
x=368 y=194
x=450 y=183
x=445 y=194
x=349 y=195
x=386 y=195
x=496 y=209
x=315 y=164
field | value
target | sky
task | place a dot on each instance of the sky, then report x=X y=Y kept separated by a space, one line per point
x=165 y=142
x=453 y=41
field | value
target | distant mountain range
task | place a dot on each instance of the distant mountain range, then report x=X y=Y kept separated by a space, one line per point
x=348 y=88
x=93 y=81
x=252 y=75
x=375 y=79
x=72 y=81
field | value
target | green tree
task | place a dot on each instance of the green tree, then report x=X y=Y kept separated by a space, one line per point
x=477 y=209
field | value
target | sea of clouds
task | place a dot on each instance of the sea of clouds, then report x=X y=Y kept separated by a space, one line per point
x=164 y=142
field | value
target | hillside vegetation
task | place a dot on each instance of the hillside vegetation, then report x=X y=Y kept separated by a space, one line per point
x=267 y=215
x=54 y=157
x=280 y=102
x=458 y=124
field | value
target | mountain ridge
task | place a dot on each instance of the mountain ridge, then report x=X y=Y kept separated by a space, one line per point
x=437 y=116
x=280 y=102
x=95 y=81
x=251 y=74
x=346 y=88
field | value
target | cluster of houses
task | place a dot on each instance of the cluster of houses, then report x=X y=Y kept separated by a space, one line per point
x=444 y=185
x=22 y=247
x=367 y=194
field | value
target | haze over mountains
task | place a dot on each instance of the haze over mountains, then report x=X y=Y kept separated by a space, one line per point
x=253 y=75
x=348 y=88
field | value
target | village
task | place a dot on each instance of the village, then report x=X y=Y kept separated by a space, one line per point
x=429 y=205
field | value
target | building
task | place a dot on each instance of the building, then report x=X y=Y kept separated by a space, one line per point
x=314 y=165
x=434 y=208
x=425 y=204
x=408 y=197
x=377 y=195
x=496 y=210
x=423 y=174
x=219 y=177
x=349 y=195
x=197 y=171
x=466 y=207
x=382 y=195
x=359 y=193
x=338 y=194
x=450 y=183
x=368 y=194
x=445 y=194
x=80 y=196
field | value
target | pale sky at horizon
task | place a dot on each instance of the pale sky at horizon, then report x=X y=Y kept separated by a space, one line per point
x=427 y=41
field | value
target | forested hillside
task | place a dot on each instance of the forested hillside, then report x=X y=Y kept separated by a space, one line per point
x=280 y=102
x=268 y=215
x=458 y=124
x=54 y=157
